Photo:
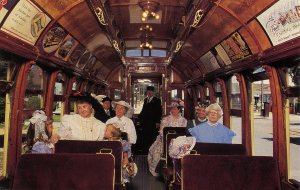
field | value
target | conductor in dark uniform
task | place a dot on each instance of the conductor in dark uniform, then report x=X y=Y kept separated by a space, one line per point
x=150 y=115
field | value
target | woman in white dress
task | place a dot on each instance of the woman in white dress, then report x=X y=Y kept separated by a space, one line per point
x=81 y=126
x=173 y=120
x=124 y=123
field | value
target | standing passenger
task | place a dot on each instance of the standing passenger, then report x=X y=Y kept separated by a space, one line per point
x=81 y=126
x=173 y=120
x=149 y=117
x=124 y=123
x=212 y=131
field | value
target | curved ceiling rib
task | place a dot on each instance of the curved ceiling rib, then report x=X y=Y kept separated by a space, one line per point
x=231 y=13
x=70 y=7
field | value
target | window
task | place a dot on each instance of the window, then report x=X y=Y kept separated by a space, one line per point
x=117 y=94
x=158 y=53
x=33 y=99
x=236 y=120
x=146 y=52
x=218 y=92
x=133 y=53
x=263 y=124
x=293 y=75
x=58 y=100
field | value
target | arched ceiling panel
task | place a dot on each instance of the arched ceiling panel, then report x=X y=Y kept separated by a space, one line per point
x=81 y=23
x=56 y=7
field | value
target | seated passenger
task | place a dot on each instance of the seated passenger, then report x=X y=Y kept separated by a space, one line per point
x=122 y=122
x=104 y=110
x=212 y=131
x=173 y=120
x=114 y=133
x=200 y=116
x=81 y=126
x=39 y=133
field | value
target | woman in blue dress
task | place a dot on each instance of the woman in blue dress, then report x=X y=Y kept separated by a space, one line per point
x=212 y=131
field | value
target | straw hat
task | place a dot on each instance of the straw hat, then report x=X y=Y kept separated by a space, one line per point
x=176 y=103
x=181 y=146
x=123 y=103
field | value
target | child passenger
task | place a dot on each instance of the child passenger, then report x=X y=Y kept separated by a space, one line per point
x=114 y=133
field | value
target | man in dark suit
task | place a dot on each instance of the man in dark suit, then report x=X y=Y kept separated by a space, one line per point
x=150 y=116
x=105 y=112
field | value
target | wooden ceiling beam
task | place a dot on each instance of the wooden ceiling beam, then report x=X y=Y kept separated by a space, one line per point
x=203 y=8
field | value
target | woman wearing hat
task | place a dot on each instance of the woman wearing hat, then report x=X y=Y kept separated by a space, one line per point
x=124 y=123
x=212 y=131
x=81 y=126
x=173 y=120
x=200 y=116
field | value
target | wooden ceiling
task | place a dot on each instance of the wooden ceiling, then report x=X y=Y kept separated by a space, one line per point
x=194 y=47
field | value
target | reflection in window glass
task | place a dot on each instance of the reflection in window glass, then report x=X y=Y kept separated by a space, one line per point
x=174 y=94
x=34 y=79
x=58 y=90
x=117 y=94
x=32 y=102
x=74 y=86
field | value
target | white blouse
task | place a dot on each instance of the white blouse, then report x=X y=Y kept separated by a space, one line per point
x=126 y=125
x=75 y=127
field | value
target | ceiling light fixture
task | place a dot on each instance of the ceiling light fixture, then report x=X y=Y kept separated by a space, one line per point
x=146 y=41
x=150 y=9
x=146 y=28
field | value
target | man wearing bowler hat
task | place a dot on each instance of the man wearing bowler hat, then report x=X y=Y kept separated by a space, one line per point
x=104 y=112
x=149 y=117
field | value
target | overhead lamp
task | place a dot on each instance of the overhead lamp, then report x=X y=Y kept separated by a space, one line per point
x=146 y=45
x=146 y=41
x=146 y=28
x=150 y=9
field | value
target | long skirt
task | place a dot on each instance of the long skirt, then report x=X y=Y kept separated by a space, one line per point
x=154 y=154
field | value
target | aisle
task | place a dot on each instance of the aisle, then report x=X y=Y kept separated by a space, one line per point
x=144 y=180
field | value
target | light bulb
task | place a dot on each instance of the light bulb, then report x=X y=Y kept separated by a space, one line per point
x=141 y=28
x=141 y=45
x=143 y=19
x=145 y=14
x=147 y=44
x=150 y=46
x=150 y=29
x=157 y=16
